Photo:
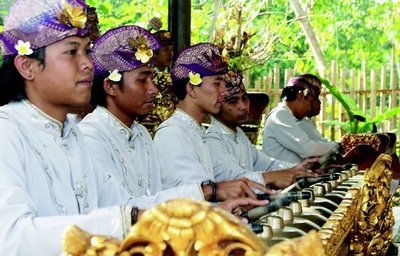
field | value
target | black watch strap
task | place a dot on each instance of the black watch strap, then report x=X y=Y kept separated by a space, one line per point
x=213 y=186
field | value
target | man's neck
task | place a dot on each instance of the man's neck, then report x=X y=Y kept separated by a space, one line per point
x=159 y=67
x=192 y=110
x=231 y=127
x=121 y=116
x=292 y=105
x=58 y=113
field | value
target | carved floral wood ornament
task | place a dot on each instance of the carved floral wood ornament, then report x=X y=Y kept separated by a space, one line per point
x=183 y=227
x=372 y=233
x=178 y=227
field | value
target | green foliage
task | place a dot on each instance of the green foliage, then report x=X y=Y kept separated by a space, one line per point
x=358 y=122
x=257 y=33
x=261 y=33
x=348 y=31
x=114 y=13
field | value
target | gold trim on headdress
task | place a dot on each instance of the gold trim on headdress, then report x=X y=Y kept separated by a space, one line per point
x=74 y=16
x=143 y=52
x=167 y=35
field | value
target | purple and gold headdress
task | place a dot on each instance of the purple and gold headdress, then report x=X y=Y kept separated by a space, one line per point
x=122 y=49
x=32 y=24
x=233 y=83
x=304 y=85
x=204 y=59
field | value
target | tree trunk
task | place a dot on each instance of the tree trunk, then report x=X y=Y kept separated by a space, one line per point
x=308 y=31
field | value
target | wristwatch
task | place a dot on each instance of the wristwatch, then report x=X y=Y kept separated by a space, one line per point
x=213 y=186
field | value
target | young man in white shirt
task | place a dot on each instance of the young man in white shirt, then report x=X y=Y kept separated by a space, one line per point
x=232 y=153
x=123 y=90
x=198 y=82
x=48 y=179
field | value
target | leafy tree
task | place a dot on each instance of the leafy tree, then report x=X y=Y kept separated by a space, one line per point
x=261 y=33
x=114 y=13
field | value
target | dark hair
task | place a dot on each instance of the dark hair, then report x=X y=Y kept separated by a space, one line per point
x=12 y=83
x=180 y=88
x=98 y=97
x=297 y=84
x=312 y=79
x=164 y=37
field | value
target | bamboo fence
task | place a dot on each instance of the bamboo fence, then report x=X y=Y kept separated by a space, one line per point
x=374 y=91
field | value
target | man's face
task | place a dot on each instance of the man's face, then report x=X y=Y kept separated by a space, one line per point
x=210 y=93
x=235 y=109
x=135 y=96
x=163 y=57
x=315 y=107
x=66 y=78
x=302 y=105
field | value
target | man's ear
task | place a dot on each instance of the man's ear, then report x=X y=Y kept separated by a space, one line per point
x=24 y=65
x=300 y=95
x=110 y=87
x=190 y=90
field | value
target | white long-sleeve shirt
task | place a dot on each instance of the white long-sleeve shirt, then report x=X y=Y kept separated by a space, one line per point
x=283 y=138
x=308 y=126
x=234 y=156
x=48 y=181
x=182 y=150
x=128 y=154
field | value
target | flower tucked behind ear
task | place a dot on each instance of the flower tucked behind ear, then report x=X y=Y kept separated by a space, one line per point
x=115 y=76
x=72 y=15
x=305 y=92
x=194 y=78
x=23 y=48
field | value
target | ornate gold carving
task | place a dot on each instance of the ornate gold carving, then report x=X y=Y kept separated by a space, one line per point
x=338 y=226
x=186 y=227
x=349 y=141
x=374 y=219
x=165 y=102
x=78 y=242
x=178 y=227
x=183 y=227
x=309 y=244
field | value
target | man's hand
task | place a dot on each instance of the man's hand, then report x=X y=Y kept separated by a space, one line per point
x=307 y=163
x=284 y=178
x=238 y=188
x=239 y=205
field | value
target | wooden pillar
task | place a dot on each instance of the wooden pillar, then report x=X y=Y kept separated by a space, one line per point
x=382 y=108
x=393 y=87
x=276 y=85
x=179 y=23
x=373 y=98
x=334 y=81
x=342 y=114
